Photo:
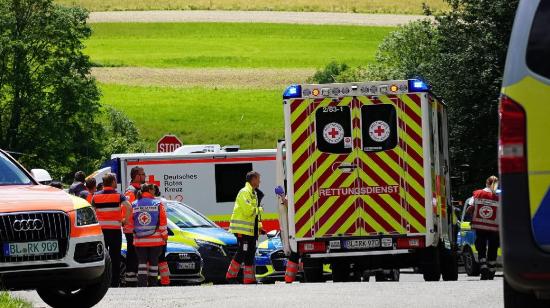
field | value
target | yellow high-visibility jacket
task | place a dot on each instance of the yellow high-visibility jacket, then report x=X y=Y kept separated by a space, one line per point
x=245 y=211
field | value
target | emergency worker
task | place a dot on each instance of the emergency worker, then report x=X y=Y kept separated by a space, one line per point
x=78 y=184
x=91 y=189
x=108 y=204
x=484 y=208
x=150 y=234
x=244 y=224
x=137 y=176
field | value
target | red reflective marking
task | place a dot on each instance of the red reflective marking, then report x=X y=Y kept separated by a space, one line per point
x=200 y=161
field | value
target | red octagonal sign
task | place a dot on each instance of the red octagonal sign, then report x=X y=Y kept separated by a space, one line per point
x=168 y=143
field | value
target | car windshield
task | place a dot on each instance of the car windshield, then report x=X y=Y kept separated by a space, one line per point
x=10 y=174
x=185 y=217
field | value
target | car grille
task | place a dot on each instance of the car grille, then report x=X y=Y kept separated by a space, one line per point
x=174 y=258
x=278 y=260
x=56 y=226
x=230 y=250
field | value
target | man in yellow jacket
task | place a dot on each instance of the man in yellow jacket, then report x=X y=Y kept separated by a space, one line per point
x=244 y=224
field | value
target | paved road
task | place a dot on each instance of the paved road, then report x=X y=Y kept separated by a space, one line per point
x=255 y=16
x=410 y=292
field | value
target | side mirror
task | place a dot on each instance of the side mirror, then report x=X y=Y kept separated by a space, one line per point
x=42 y=176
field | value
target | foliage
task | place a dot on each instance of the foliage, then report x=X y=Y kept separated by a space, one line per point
x=48 y=100
x=6 y=301
x=329 y=73
x=123 y=135
x=462 y=54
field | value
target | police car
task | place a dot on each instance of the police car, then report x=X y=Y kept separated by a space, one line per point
x=523 y=159
x=271 y=259
x=185 y=264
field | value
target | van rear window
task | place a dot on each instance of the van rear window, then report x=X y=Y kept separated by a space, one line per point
x=379 y=127
x=333 y=129
x=538 y=48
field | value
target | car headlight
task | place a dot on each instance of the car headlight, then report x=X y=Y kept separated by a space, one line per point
x=85 y=216
x=262 y=252
x=207 y=246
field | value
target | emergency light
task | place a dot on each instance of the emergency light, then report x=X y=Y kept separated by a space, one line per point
x=417 y=85
x=293 y=91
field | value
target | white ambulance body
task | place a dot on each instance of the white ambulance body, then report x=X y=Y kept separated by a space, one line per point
x=205 y=177
x=366 y=171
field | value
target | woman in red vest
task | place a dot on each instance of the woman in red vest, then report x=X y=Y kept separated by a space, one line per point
x=484 y=208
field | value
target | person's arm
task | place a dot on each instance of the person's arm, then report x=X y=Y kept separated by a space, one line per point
x=127 y=209
x=163 y=222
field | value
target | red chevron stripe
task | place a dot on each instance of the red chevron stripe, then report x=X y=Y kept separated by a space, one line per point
x=334 y=207
x=295 y=105
x=415 y=98
x=341 y=220
x=379 y=219
x=299 y=120
x=307 y=153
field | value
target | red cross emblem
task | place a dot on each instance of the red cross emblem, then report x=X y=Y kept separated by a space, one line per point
x=333 y=133
x=152 y=180
x=379 y=130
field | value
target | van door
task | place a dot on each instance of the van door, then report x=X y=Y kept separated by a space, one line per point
x=334 y=172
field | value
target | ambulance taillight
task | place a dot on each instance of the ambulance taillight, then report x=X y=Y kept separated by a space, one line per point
x=512 y=137
x=310 y=247
x=411 y=242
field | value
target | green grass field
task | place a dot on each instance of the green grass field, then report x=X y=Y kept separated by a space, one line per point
x=251 y=118
x=359 y=6
x=231 y=45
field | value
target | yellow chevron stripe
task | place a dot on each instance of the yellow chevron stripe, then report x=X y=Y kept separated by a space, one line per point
x=412 y=105
x=371 y=221
x=404 y=116
x=300 y=109
x=385 y=215
x=350 y=201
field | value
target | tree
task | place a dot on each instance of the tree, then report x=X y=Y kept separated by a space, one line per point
x=124 y=137
x=49 y=102
x=462 y=54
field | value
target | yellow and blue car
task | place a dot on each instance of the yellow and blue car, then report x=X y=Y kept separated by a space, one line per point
x=185 y=264
x=215 y=245
x=271 y=260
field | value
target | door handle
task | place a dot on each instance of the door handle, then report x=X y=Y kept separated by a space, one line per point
x=350 y=166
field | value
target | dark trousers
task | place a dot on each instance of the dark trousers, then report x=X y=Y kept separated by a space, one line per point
x=487 y=243
x=148 y=265
x=113 y=243
x=131 y=261
x=247 y=249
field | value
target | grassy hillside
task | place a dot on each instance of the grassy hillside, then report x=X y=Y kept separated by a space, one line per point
x=360 y=6
x=251 y=118
x=216 y=83
x=231 y=45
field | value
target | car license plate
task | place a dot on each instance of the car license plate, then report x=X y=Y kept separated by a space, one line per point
x=30 y=248
x=185 y=265
x=362 y=244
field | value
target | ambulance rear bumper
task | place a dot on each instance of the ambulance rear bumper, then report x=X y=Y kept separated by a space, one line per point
x=360 y=253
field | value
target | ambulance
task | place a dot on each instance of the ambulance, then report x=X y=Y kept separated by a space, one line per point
x=205 y=177
x=366 y=170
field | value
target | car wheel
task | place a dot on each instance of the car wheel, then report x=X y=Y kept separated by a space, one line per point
x=431 y=269
x=516 y=299
x=84 y=297
x=470 y=265
x=449 y=265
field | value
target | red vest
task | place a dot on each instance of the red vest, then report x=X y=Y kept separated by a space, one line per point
x=485 y=211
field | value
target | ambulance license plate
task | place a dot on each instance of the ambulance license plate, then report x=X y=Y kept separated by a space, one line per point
x=185 y=265
x=30 y=248
x=362 y=244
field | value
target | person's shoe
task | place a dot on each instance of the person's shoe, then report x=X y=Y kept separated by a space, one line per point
x=485 y=274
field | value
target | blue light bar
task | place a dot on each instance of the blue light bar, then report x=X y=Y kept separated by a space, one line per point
x=293 y=91
x=417 y=85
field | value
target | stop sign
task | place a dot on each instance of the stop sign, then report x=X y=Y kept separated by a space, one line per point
x=168 y=143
